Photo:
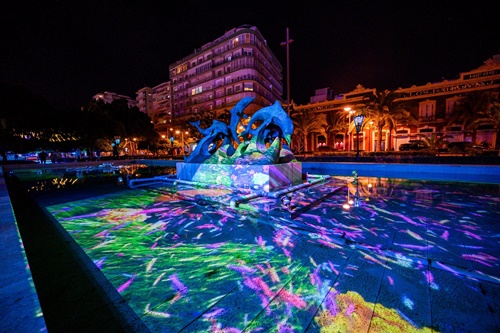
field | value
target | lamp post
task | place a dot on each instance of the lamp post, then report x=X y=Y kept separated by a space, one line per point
x=162 y=144
x=171 y=137
x=182 y=139
x=358 y=122
x=287 y=44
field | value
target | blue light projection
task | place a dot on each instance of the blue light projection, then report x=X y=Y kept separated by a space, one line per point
x=382 y=255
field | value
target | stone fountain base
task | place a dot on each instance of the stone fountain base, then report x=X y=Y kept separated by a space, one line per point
x=257 y=177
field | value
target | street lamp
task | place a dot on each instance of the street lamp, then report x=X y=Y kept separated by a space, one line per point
x=182 y=139
x=171 y=138
x=287 y=44
x=358 y=122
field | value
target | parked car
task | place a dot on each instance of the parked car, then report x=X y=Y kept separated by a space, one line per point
x=325 y=149
x=414 y=145
x=466 y=147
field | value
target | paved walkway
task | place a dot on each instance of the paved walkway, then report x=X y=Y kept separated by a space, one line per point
x=19 y=305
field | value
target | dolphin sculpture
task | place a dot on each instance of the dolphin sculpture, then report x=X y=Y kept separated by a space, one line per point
x=216 y=127
x=218 y=130
x=236 y=115
x=273 y=114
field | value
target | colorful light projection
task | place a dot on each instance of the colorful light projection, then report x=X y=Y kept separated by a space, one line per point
x=378 y=267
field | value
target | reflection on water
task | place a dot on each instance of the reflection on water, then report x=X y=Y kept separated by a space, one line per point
x=378 y=254
x=41 y=180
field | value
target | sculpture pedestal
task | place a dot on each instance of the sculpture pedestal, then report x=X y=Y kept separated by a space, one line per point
x=257 y=177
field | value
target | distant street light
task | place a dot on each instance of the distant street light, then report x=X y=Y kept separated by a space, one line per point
x=171 y=137
x=287 y=44
x=358 y=122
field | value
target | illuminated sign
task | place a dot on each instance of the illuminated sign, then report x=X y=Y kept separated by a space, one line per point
x=452 y=88
x=482 y=74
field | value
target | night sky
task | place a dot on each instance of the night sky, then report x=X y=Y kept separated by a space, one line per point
x=67 y=51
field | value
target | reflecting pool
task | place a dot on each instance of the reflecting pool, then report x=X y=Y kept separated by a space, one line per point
x=376 y=255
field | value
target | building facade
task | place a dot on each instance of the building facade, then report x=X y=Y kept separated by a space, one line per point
x=144 y=98
x=156 y=103
x=433 y=106
x=220 y=73
x=109 y=97
x=162 y=107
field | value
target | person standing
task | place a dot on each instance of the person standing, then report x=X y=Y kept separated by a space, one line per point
x=43 y=157
x=115 y=151
x=53 y=157
x=78 y=155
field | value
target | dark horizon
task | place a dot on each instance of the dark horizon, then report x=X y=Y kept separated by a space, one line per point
x=67 y=53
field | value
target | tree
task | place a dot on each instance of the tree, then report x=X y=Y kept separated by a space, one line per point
x=335 y=123
x=435 y=141
x=469 y=109
x=106 y=121
x=384 y=112
x=308 y=121
x=29 y=122
x=490 y=117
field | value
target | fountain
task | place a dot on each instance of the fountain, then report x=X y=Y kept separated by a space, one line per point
x=258 y=158
x=232 y=167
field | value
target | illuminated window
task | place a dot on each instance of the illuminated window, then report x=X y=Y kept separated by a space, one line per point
x=196 y=90
x=427 y=109
x=247 y=86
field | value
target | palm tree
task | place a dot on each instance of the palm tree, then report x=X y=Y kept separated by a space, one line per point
x=308 y=121
x=434 y=141
x=468 y=110
x=491 y=117
x=335 y=123
x=384 y=112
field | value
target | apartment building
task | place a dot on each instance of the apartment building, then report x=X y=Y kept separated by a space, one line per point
x=432 y=104
x=162 y=107
x=109 y=97
x=144 y=98
x=220 y=73
x=156 y=103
